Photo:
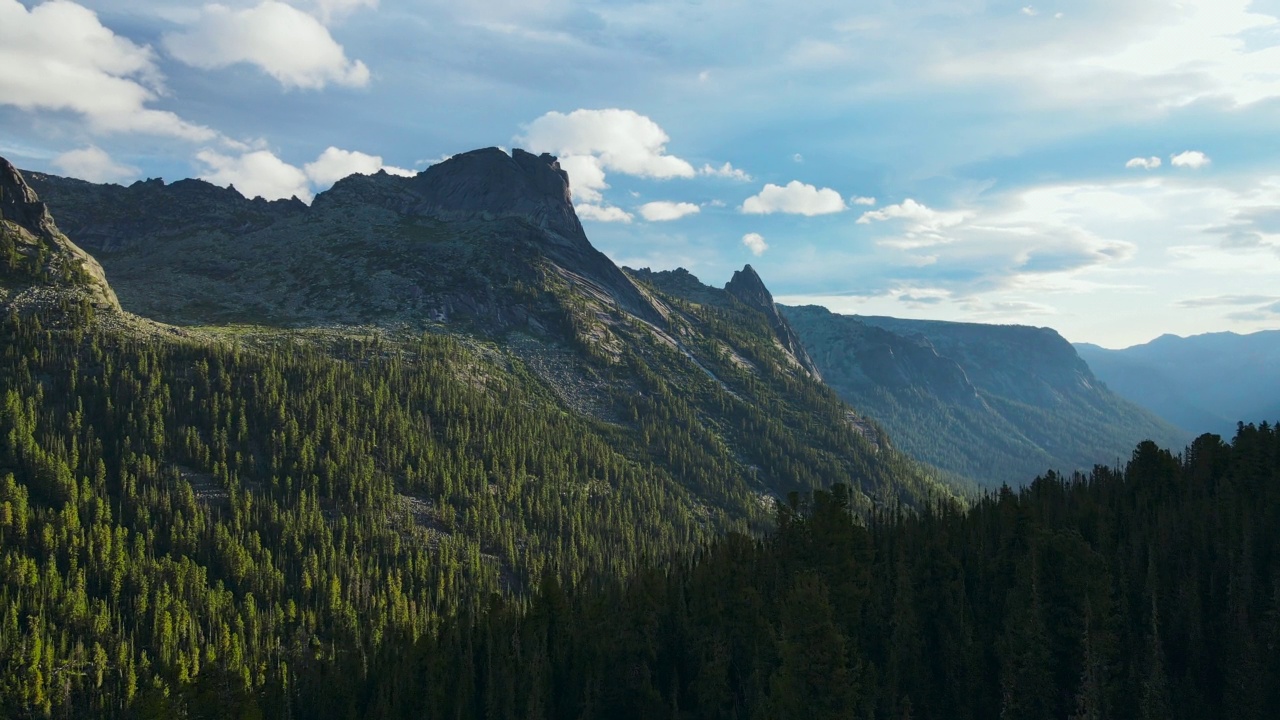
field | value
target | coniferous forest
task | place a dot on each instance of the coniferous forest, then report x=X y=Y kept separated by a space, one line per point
x=1149 y=591
x=138 y=587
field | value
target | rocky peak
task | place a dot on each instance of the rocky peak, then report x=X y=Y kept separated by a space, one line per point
x=58 y=261
x=747 y=287
x=19 y=203
x=489 y=182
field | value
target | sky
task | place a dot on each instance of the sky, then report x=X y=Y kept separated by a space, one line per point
x=1108 y=168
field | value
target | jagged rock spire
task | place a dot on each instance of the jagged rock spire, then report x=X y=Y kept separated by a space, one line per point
x=747 y=287
x=19 y=204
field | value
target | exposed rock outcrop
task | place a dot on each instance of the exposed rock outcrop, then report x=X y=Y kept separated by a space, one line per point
x=19 y=203
x=749 y=289
x=373 y=248
x=53 y=259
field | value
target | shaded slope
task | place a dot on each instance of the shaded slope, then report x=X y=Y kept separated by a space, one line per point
x=996 y=404
x=1205 y=382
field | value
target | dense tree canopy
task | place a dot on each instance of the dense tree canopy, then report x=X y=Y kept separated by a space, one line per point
x=344 y=527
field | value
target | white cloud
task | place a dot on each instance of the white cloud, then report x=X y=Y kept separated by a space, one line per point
x=755 y=243
x=797 y=158
x=258 y=173
x=284 y=42
x=796 y=198
x=1193 y=159
x=663 y=210
x=1148 y=163
x=591 y=142
x=603 y=213
x=93 y=164
x=331 y=10
x=860 y=200
x=59 y=56
x=1030 y=11
x=925 y=226
x=1136 y=57
x=917 y=212
x=335 y=164
x=726 y=170
x=586 y=177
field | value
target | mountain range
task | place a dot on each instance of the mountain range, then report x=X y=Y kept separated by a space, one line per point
x=1200 y=383
x=254 y=455
x=989 y=403
x=486 y=248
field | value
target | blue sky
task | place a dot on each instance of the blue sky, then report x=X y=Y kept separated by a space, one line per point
x=1110 y=169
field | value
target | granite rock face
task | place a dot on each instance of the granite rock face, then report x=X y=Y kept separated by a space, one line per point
x=19 y=204
x=56 y=262
x=446 y=244
x=747 y=287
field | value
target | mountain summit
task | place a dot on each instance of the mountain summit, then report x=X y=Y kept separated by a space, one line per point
x=461 y=242
x=34 y=254
x=747 y=287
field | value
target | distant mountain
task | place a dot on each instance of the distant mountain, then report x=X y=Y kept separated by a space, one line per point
x=1202 y=383
x=991 y=403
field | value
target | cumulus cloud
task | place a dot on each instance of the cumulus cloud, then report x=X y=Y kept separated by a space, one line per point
x=924 y=225
x=755 y=243
x=1147 y=163
x=286 y=43
x=586 y=177
x=60 y=57
x=1193 y=159
x=603 y=213
x=591 y=142
x=795 y=198
x=93 y=164
x=860 y=200
x=257 y=173
x=725 y=171
x=335 y=164
x=663 y=210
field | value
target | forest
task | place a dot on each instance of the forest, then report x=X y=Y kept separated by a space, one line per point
x=360 y=529
x=1149 y=591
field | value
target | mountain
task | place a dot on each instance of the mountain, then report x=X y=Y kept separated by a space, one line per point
x=412 y=400
x=36 y=258
x=990 y=403
x=460 y=242
x=1206 y=382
